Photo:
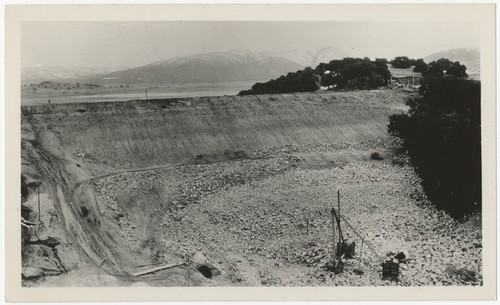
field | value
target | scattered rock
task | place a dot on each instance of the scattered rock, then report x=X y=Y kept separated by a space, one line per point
x=271 y=215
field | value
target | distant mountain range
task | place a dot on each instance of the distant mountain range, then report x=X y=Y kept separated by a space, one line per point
x=235 y=65
x=209 y=67
x=313 y=58
x=67 y=73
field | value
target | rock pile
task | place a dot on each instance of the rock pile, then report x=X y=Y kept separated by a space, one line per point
x=270 y=218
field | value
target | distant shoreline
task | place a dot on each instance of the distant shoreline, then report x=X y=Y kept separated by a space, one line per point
x=137 y=92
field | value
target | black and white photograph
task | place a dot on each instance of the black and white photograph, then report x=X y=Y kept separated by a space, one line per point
x=251 y=153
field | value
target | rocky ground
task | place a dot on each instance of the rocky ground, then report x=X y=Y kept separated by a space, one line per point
x=233 y=198
x=263 y=217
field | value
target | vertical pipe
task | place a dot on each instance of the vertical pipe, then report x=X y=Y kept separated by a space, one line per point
x=333 y=239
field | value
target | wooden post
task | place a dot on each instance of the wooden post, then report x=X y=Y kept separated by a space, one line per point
x=158 y=269
x=360 y=254
x=338 y=200
x=146 y=95
x=39 y=216
x=334 y=248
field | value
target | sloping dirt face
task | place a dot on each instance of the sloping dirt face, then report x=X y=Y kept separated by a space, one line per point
x=245 y=183
x=106 y=137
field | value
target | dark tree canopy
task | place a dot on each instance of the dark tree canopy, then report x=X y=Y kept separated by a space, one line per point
x=347 y=73
x=301 y=81
x=442 y=134
x=420 y=65
x=402 y=62
x=354 y=73
x=444 y=66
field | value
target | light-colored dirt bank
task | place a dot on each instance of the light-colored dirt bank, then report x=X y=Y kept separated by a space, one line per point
x=246 y=183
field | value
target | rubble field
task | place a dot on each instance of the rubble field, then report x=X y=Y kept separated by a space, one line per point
x=265 y=220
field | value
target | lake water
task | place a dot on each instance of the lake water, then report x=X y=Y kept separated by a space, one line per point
x=163 y=91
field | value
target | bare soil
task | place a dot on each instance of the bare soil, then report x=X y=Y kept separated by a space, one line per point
x=247 y=183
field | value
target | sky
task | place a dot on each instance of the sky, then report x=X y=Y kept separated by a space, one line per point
x=132 y=44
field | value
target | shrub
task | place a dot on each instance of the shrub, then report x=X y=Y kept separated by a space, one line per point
x=376 y=156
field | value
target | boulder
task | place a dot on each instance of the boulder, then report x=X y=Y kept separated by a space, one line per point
x=199 y=258
x=31 y=272
x=201 y=263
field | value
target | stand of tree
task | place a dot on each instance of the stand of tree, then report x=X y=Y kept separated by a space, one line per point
x=442 y=134
x=444 y=66
x=354 y=73
x=347 y=73
x=403 y=62
x=301 y=81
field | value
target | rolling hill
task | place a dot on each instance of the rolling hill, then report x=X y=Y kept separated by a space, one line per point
x=32 y=75
x=469 y=57
x=315 y=57
x=209 y=67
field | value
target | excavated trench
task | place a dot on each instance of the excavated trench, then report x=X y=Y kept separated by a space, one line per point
x=119 y=180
